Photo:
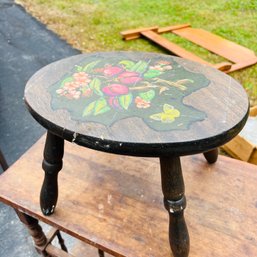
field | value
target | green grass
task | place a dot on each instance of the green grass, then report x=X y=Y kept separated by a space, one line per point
x=94 y=25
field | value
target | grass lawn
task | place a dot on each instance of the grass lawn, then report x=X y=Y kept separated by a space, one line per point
x=94 y=25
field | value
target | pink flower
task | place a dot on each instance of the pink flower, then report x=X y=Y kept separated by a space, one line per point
x=163 y=62
x=167 y=67
x=81 y=77
x=115 y=89
x=71 y=85
x=129 y=77
x=60 y=91
x=161 y=66
x=111 y=71
x=141 y=103
x=70 y=90
x=156 y=67
x=72 y=94
x=76 y=94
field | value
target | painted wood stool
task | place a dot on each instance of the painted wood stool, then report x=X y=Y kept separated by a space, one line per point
x=138 y=104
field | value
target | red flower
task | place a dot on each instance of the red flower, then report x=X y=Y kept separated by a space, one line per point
x=111 y=71
x=129 y=77
x=115 y=89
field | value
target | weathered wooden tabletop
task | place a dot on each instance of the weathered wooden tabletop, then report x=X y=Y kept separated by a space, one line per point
x=115 y=202
x=137 y=103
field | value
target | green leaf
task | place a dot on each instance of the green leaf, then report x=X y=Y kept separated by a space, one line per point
x=95 y=85
x=125 y=100
x=152 y=74
x=97 y=107
x=89 y=109
x=69 y=79
x=90 y=66
x=157 y=116
x=139 y=67
x=147 y=96
x=128 y=64
x=101 y=106
x=79 y=68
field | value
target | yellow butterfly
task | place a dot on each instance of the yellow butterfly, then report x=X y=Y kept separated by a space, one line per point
x=168 y=115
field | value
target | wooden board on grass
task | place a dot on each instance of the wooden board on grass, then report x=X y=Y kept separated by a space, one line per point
x=238 y=56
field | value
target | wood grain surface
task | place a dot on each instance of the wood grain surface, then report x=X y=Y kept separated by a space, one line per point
x=172 y=47
x=198 y=117
x=81 y=250
x=217 y=44
x=115 y=203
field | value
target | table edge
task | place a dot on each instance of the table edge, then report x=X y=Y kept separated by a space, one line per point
x=141 y=149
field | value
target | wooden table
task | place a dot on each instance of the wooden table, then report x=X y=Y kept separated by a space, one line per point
x=119 y=208
x=138 y=104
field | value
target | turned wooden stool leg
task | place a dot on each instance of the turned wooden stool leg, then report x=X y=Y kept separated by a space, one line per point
x=35 y=231
x=52 y=164
x=211 y=156
x=175 y=203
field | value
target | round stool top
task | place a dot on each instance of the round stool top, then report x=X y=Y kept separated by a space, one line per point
x=137 y=103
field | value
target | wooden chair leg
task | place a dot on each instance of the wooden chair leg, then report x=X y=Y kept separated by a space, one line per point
x=3 y=162
x=31 y=223
x=35 y=231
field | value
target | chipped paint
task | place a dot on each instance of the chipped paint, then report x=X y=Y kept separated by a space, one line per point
x=109 y=199
x=74 y=137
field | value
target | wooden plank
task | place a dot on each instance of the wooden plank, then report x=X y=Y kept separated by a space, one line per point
x=239 y=148
x=115 y=202
x=216 y=44
x=136 y=33
x=253 y=157
x=81 y=250
x=56 y=252
x=172 y=28
x=175 y=49
x=243 y=64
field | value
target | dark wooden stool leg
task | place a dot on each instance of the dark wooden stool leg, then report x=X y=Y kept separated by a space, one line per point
x=175 y=203
x=52 y=164
x=211 y=156
x=35 y=231
x=3 y=161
